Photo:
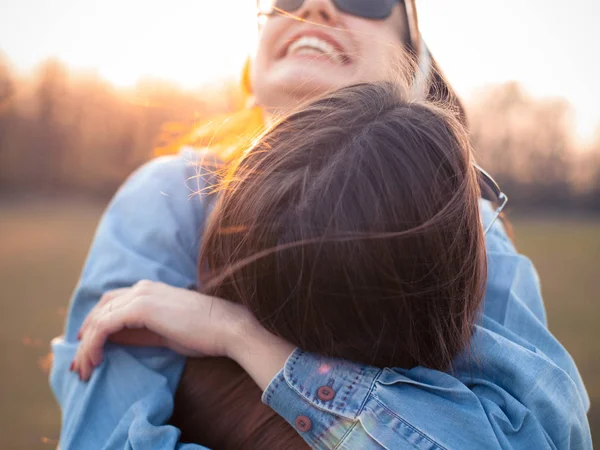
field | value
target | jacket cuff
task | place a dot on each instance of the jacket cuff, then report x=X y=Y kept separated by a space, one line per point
x=320 y=397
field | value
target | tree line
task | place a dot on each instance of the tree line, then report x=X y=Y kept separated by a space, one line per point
x=65 y=132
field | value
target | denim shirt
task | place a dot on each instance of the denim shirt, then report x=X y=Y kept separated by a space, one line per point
x=517 y=388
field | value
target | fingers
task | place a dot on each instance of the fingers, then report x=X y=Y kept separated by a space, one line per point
x=140 y=287
x=155 y=314
x=104 y=320
x=107 y=298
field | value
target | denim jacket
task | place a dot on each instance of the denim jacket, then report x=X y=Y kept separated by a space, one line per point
x=518 y=388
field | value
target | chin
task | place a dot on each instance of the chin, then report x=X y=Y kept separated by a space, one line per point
x=285 y=88
x=305 y=87
x=309 y=75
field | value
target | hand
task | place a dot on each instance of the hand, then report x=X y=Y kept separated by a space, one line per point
x=151 y=313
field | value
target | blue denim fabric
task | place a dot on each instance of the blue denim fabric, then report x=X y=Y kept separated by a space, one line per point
x=518 y=389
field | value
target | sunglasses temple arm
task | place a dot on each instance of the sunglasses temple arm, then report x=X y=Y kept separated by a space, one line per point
x=503 y=200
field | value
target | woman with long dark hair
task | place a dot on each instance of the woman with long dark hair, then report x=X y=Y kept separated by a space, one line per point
x=361 y=211
x=151 y=231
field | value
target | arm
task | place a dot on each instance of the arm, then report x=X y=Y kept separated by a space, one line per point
x=518 y=388
x=150 y=230
x=185 y=321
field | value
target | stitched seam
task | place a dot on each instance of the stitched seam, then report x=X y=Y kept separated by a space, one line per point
x=273 y=386
x=362 y=406
x=385 y=447
x=345 y=436
x=412 y=427
x=346 y=393
x=320 y=436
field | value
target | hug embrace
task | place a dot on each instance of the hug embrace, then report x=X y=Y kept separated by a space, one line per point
x=330 y=273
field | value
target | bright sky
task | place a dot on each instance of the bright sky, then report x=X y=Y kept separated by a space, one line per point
x=552 y=47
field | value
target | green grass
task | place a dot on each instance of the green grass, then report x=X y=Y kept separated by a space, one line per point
x=43 y=246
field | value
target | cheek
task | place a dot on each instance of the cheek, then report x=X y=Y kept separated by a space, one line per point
x=381 y=62
x=381 y=51
x=388 y=59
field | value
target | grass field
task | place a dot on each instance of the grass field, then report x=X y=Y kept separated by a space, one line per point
x=43 y=246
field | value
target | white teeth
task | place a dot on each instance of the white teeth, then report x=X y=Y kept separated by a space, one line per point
x=311 y=44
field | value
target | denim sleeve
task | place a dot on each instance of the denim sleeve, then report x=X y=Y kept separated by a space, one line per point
x=517 y=387
x=151 y=230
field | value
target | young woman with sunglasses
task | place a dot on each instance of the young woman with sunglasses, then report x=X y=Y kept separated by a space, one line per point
x=150 y=231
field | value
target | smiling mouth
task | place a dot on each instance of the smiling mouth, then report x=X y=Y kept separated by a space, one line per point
x=313 y=46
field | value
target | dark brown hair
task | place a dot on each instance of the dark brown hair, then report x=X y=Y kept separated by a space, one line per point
x=219 y=406
x=352 y=229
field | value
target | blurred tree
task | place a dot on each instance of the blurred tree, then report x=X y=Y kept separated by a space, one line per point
x=49 y=147
x=7 y=91
x=7 y=84
x=78 y=133
x=591 y=161
x=526 y=144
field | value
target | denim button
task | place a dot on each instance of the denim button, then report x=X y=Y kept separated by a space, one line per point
x=325 y=393
x=303 y=423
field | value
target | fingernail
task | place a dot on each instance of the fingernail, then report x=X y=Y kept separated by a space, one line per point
x=72 y=366
x=79 y=335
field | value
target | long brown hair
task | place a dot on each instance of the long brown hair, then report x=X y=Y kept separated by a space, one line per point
x=359 y=211
x=352 y=229
x=219 y=406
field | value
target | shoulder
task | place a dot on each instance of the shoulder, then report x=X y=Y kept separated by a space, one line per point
x=171 y=185
x=178 y=173
x=153 y=226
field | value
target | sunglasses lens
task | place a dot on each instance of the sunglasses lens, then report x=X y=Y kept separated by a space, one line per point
x=282 y=5
x=368 y=9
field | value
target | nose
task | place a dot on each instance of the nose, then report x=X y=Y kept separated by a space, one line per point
x=319 y=11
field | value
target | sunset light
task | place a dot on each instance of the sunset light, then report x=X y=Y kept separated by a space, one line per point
x=187 y=41
x=290 y=198
x=545 y=47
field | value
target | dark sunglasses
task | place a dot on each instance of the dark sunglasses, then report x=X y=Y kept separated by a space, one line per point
x=367 y=9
